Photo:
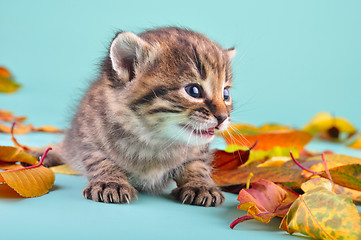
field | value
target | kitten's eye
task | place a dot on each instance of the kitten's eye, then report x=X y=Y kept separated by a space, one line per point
x=226 y=94
x=194 y=90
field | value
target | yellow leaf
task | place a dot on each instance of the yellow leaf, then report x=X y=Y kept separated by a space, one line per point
x=64 y=169
x=325 y=124
x=12 y=154
x=333 y=160
x=322 y=214
x=32 y=182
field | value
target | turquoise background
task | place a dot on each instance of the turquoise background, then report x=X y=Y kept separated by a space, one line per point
x=295 y=58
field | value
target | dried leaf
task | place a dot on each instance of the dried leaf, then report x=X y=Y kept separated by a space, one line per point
x=226 y=161
x=20 y=128
x=354 y=194
x=347 y=176
x=268 y=137
x=290 y=177
x=275 y=162
x=329 y=127
x=48 y=129
x=8 y=116
x=13 y=155
x=322 y=214
x=64 y=169
x=230 y=160
x=31 y=181
x=264 y=201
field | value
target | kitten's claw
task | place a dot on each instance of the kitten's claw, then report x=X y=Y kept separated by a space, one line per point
x=109 y=192
x=199 y=194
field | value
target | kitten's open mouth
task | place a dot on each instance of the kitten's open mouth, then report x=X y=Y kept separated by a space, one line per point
x=201 y=132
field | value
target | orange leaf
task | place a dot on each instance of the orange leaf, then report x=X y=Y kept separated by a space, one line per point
x=12 y=154
x=267 y=137
x=8 y=116
x=32 y=181
x=225 y=178
x=264 y=201
x=20 y=129
x=4 y=72
x=49 y=129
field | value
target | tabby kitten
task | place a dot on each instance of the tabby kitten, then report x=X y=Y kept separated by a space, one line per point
x=150 y=116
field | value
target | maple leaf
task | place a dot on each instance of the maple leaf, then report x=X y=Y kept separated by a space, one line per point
x=328 y=127
x=264 y=201
x=322 y=214
x=31 y=181
x=7 y=83
x=268 y=136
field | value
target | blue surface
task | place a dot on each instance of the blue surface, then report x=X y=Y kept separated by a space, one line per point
x=295 y=58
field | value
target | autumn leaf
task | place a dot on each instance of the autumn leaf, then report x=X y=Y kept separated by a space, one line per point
x=21 y=128
x=13 y=155
x=268 y=137
x=264 y=201
x=259 y=156
x=328 y=127
x=7 y=83
x=31 y=181
x=8 y=116
x=64 y=169
x=226 y=178
x=226 y=161
x=322 y=214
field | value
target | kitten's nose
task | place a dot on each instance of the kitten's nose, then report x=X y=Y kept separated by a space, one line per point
x=220 y=118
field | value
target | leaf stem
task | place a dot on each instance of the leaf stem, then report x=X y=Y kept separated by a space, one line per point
x=248 y=182
x=245 y=218
x=326 y=168
x=16 y=143
x=33 y=166
x=299 y=164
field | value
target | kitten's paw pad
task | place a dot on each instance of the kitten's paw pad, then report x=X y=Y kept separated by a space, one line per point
x=201 y=195
x=110 y=192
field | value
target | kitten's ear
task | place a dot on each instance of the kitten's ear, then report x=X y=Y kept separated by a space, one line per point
x=126 y=52
x=231 y=52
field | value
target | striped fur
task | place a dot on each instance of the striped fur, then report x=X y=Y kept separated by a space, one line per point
x=137 y=128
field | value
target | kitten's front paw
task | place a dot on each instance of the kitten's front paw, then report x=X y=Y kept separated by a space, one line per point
x=110 y=192
x=199 y=194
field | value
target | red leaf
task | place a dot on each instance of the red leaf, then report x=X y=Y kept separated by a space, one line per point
x=228 y=161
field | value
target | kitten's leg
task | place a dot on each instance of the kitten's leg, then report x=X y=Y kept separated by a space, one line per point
x=107 y=183
x=196 y=187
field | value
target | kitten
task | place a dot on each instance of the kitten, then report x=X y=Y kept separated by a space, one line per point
x=150 y=116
